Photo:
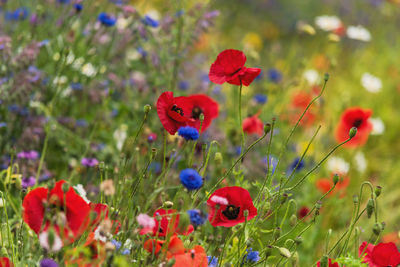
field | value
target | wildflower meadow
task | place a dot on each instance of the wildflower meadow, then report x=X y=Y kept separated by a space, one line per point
x=199 y=133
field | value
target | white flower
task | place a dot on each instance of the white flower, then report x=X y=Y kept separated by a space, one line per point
x=44 y=242
x=358 y=33
x=146 y=221
x=378 y=127
x=371 y=83
x=82 y=192
x=311 y=76
x=60 y=80
x=70 y=58
x=338 y=165
x=120 y=135
x=328 y=23
x=78 y=63
x=89 y=70
x=361 y=162
x=219 y=200
x=99 y=236
x=1 y=202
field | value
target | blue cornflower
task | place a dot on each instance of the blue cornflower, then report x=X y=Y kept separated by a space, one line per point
x=252 y=255
x=141 y=51
x=125 y=251
x=197 y=217
x=64 y=1
x=48 y=263
x=116 y=244
x=294 y=163
x=180 y=13
x=260 y=98
x=183 y=85
x=106 y=19
x=212 y=261
x=191 y=179
x=272 y=163
x=76 y=86
x=81 y=123
x=147 y=20
x=3 y=124
x=274 y=75
x=78 y=7
x=189 y=133
x=155 y=167
x=18 y=14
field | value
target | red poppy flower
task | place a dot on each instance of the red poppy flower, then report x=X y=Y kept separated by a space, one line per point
x=299 y=103
x=381 y=255
x=303 y=212
x=5 y=262
x=330 y=264
x=168 y=224
x=206 y=105
x=253 y=125
x=227 y=206
x=174 y=112
x=196 y=257
x=229 y=67
x=354 y=117
x=69 y=206
x=325 y=184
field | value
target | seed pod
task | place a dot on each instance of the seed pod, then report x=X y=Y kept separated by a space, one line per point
x=267 y=128
x=370 y=207
x=352 y=132
x=376 y=229
x=285 y=252
x=146 y=108
x=335 y=179
x=378 y=191
x=293 y=220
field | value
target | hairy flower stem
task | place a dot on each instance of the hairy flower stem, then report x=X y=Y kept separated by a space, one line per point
x=241 y=120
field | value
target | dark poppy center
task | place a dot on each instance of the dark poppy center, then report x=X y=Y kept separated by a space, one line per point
x=196 y=111
x=177 y=109
x=357 y=123
x=231 y=212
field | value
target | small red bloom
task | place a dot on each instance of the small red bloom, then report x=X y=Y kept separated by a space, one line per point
x=174 y=112
x=227 y=206
x=206 y=105
x=168 y=224
x=5 y=262
x=229 y=67
x=253 y=125
x=70 y=205
x=299 y=103
x=303 y=212
x=381 y=255
x=325 y=184
x=330 y=264
x=354 y=117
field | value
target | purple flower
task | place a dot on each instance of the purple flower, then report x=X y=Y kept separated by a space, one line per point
x=48 y=263
x=89 y=162
x=28 y=182
x=28 y=155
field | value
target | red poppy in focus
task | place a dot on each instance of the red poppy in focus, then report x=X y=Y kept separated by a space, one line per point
x=5 y=262
x=354 y=117
x=299 y=103
x=69 y=207
x=253 y=125
x=174 y=112
x=196 y=257
x=229 y=67
x=202 y=104
x=95 y=258
x=168 y=224
x=325 y=184
x=330 y=264
x=227 y=206
x=381 y=255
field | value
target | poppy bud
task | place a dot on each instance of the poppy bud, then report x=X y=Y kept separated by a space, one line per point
x=146 y=108
x=168 y=204
x=284 y=252
x=318 y=205
x=293 y=220
x=201 y=117
x=268 y=252
x=378 y=191
x=370 y=207
x=153 y=152
x=277 y=233
x=171 y=262
x=355 y=199
x=326 y=77
x=284 y=198
x=51 y=237
x=218 y=158
x=298 y=240
x=376 y=229
x=324 y=261
x=65 y=187
x=352 y=132
x=335 y=179
x=267 y=128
